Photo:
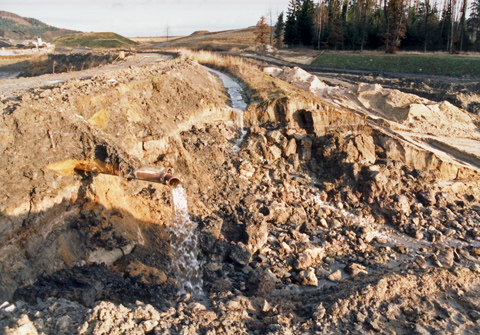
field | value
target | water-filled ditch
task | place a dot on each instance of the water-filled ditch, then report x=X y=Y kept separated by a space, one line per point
x=239 y=105
x=184 y=239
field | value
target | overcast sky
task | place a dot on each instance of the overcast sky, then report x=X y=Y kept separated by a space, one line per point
x=146 y=17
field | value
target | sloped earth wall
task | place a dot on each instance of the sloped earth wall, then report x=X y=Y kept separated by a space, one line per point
x=320 y=223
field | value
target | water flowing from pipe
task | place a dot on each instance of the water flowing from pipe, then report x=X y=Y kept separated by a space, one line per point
x=184 y=245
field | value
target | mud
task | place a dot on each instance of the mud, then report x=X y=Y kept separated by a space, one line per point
x=323 y=222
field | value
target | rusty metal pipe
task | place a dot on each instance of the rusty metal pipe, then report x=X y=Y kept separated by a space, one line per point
x=150 y=173
x=157 y=175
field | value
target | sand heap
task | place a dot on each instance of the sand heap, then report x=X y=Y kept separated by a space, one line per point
x=302 y=79
x=404 y=111
x=416 y=113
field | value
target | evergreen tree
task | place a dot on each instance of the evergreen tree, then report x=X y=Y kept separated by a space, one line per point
x=278 y=33
x=305 y=21
x=352 y=24
x=428 y=23
x=463 y=26
x=335 y=35
x=291 y=36
x=444 y=26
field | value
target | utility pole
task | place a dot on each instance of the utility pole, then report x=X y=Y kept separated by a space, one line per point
x=167 y=31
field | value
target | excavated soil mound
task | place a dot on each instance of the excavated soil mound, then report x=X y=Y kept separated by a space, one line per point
x=302 y=79
x=410 y=111
x=116 y=118
x=418 y=114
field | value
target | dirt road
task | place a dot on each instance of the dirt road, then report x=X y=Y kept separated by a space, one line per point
x=11 y=85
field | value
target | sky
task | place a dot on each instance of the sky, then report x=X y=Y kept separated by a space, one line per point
x=145 y=18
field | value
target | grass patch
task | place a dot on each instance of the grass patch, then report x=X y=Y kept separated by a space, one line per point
x=430 y=64
x=94 y=40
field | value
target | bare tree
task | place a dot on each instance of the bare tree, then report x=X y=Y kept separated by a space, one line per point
x=452 y=32
x=463 y=20
x=270 y=16
x=395 y=25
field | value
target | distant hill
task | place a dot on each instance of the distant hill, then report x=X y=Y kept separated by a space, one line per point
x=16 y=27
x=94 y=40
x=225 y=40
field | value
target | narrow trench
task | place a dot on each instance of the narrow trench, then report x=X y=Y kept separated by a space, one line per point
x=239 y=105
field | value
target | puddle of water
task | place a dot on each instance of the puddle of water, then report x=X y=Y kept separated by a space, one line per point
x=184 y=245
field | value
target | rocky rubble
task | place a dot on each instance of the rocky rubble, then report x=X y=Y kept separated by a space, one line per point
x=307 y=229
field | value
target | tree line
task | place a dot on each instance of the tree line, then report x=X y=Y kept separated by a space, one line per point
x=423 y=25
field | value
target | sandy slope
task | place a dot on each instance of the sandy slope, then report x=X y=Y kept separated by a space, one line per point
x=436 y=126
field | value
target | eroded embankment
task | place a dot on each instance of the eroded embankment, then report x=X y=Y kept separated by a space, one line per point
x=121 y=118
x=321 y=222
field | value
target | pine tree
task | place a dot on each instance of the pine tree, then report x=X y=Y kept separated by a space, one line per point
x=336 y=37
x=352 y=24
x=305 y=21
x=291 y=36
x=428 y=25
x=463 y=24
x=335 y=27
x=445 y=24
x=278 y=33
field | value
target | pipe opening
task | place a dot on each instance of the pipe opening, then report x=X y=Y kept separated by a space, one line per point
x=172 y=181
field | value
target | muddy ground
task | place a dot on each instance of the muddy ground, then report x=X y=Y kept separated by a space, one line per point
x=322 y=223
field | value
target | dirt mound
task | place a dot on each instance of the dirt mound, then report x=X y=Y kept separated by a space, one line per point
x=410 y=111
x=87 y=127
x=418 y=114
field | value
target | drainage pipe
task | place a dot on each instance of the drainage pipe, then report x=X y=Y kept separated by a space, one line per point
x=155 y=174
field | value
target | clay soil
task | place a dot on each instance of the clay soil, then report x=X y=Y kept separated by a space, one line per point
x=328 y=220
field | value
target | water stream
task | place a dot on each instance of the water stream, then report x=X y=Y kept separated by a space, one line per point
x=184 y=245
x=238 y=104
x=184 y=241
